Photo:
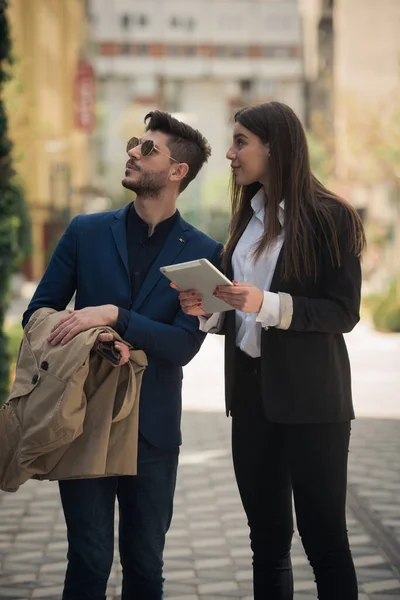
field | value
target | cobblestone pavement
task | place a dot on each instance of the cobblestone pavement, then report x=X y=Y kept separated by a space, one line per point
x=207 y=554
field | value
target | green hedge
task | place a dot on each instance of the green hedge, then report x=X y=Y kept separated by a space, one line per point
x=385 y=310
x=14 y=336
x=14 y=224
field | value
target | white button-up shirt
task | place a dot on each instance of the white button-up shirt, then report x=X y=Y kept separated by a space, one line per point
x=257 y=272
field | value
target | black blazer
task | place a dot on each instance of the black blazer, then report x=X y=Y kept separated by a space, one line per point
x=305 y=370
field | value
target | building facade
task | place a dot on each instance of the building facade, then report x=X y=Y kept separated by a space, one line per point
x=46 y=113
x=200 y=59
x=361 y=87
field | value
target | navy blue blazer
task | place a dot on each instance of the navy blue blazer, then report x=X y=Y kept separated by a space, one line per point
x=91 y=259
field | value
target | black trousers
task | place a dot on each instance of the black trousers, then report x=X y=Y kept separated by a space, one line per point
x=273 y=461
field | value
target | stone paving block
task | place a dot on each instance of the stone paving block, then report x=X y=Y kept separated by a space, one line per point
x=382 y=586
x=244 y=575
x=214 y=575
x=175 y=588
x=184 y=597
x=243 y=551
x=181 y=575
x=214 y=563
x=370 y=575
x=204 y=525
x=24 y=556
x=11 y=568
x=179 y=552
x=52 y=578
x=50 y=593
x=52 y=567
x=208 y=543
x=366 y=561
x=9 y=580
x=220 y=586
x=304 y=585
x=55 y=546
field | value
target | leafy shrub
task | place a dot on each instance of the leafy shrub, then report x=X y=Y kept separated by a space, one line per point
x=386 y=311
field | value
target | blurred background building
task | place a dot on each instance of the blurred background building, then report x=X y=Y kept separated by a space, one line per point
x=200 y=59
x=47 y=118
x=89 y=71
x=352 y=90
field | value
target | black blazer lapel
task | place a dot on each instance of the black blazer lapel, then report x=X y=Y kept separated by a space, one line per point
x=277 y=276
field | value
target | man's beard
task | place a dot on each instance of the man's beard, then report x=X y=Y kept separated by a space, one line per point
x=149 y=184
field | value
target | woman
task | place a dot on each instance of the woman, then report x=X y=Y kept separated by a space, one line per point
x=294 y=255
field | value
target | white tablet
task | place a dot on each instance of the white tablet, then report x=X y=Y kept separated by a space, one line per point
x=200 y=275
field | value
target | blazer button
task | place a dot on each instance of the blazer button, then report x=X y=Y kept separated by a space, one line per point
x=44 y=365
x=35 y=378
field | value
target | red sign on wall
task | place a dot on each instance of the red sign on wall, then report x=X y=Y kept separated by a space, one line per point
x=84 y=104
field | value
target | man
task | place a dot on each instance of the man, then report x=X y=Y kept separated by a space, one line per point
x=112 y=260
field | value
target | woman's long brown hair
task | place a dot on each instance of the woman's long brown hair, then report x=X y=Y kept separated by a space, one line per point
x=309 y=214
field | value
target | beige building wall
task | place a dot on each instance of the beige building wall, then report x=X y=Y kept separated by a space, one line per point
x=51 y=154
x=366 y=70
x=366 y=105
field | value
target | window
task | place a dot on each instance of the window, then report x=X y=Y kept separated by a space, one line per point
x=128 y=21
x=276 y=52
x=265 y=88
x=125 y=21
x=187 y=23
x=142 y=50
x=282 y=52
x=172 y=95
x=237 y=51
x=230 y=22
x=246 y=85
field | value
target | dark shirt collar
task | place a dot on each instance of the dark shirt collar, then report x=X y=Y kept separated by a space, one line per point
x=162 y=227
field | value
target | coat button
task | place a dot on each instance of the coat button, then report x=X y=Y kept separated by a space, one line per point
x=35 y=378
x=44 y=365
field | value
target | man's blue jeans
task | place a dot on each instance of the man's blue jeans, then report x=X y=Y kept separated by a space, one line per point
x=145 y=511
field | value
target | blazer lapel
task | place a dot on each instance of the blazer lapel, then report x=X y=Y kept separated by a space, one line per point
x=175 y=243
x=118 y=227
x=277 y=276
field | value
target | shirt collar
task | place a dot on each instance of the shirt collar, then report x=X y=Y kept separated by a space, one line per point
x=258 y=206
x=163 y=226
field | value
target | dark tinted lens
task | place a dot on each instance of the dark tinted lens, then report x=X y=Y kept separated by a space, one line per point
x=147 y=147
x=133 y=142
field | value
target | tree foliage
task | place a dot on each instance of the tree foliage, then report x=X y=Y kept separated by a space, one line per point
x=14 y=223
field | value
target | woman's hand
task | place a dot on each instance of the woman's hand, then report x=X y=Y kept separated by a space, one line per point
x=191 y=302
x=242 y=296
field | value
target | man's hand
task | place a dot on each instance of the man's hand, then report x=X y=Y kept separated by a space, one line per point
x=81 y=320
x=242 y=296
x=108 y=337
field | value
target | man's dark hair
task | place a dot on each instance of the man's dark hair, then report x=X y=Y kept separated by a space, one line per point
x=187 y=145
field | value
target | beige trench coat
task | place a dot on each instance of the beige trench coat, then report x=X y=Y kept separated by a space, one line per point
x=70 y=414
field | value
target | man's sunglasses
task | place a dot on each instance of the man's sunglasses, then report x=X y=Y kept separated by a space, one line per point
x=146 y=147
